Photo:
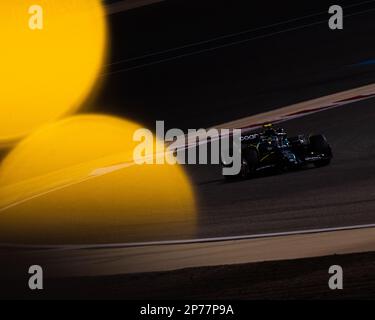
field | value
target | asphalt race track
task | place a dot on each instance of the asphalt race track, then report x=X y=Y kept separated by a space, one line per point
x=229 y=78
x=271 y=67
x=280 y=65
x=338 y=195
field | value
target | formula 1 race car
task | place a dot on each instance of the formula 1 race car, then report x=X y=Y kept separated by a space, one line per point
x=273 y=149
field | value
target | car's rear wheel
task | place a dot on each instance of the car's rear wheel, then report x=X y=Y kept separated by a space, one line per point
x=245 y=170
x=320 y=145
x=249 y=163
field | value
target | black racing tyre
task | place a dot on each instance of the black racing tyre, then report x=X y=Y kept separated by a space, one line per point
x=249 y=164
x=319 y=144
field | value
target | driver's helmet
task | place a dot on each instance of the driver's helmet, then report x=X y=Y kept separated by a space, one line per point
x=269 y=131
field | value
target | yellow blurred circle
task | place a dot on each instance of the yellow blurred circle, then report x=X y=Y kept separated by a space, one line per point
x=75 y=182
x=51 y=54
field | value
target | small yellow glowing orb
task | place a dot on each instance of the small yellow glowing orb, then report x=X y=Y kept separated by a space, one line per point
x=75 y=181
x=51 y=54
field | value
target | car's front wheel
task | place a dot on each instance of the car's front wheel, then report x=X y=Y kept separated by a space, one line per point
x=320 y=145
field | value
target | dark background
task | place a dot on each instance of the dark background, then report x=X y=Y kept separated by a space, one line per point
x=269 y=54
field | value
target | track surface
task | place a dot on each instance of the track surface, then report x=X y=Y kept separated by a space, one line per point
x=338 y=195
x=293 y=279
x=284 y=64
x=276 y=70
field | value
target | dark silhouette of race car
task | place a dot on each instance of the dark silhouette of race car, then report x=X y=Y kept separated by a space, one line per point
x=273 y=149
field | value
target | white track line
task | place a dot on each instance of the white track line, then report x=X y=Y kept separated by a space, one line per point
x=190 y=241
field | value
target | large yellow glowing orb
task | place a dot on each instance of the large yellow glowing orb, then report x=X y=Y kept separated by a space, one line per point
x=51 y=54
x=75 y=182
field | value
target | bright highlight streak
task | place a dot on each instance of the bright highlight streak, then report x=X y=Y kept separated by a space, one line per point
x=75 y=182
